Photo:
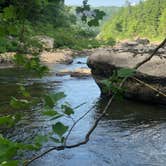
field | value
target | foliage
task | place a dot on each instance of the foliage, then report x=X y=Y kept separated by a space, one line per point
x=73 y=39
x=10 y=149
x=94 y=30
x=42 y=17
x=57 y=14
x=112 y=85
x=147 y=19
x=88 y=15
x=7 y=45
x=31 y=64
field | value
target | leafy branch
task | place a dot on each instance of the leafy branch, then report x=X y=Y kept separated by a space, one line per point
x=88 y=15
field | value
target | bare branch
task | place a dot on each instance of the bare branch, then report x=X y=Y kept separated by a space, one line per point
x=149 y=86
x=75 y=123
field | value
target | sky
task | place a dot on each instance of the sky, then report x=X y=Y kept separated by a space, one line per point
x=100 y=2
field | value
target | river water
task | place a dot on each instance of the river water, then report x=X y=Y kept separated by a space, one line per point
x=132 y=133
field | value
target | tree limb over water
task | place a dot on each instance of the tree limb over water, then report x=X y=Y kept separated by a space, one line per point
x=89 y=133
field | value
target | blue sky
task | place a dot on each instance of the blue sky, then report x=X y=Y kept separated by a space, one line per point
x=100 y=2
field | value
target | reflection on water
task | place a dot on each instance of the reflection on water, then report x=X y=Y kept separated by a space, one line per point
x=132 y=134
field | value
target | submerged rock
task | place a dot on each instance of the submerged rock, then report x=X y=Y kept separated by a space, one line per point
x=79 y=72
x=64 y=72
x=104 y=61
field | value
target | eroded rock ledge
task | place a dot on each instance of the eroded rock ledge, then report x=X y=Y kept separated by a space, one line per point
x=127 y=55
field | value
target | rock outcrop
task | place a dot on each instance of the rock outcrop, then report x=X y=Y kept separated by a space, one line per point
x=127 y=55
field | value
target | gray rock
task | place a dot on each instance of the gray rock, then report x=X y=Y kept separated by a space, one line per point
x=79 y=72
x=143 y=41
x=104 y=62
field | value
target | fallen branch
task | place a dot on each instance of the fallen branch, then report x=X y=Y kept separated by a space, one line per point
x=149 y=86
x=87 y=136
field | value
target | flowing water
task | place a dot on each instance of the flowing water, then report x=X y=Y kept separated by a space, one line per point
x=132 y=134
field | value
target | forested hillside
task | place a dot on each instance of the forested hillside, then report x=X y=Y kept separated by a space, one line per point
x=46 y=17
x=146 y=19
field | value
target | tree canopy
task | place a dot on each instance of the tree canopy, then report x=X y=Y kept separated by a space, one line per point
x=147 y=19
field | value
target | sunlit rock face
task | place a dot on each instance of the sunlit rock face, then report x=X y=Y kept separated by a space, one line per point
x=126 y=55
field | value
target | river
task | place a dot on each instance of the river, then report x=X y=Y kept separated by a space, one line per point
x=132 y=133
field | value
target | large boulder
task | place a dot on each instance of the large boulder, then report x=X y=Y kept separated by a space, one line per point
x=104 y=61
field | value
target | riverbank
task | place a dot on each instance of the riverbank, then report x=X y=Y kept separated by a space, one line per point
x=58 y=56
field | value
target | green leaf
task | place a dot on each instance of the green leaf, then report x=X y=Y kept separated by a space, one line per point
x=2 y=31
x=28 y=147
x=107 y=85
x=24 y=92
x=19 y=104
x=12 y=30
x=40 y=139
x=8 y=149
x=19 y=59
x=55 y=140
x=50 y=112
x=49 y=101
x=93 y=22
x=7 y=120
x=60 y=129
x=52 y=99
x=9 y=12
x=58 y=96
x=125 y=72
x=10 y=163
x=67 y=109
